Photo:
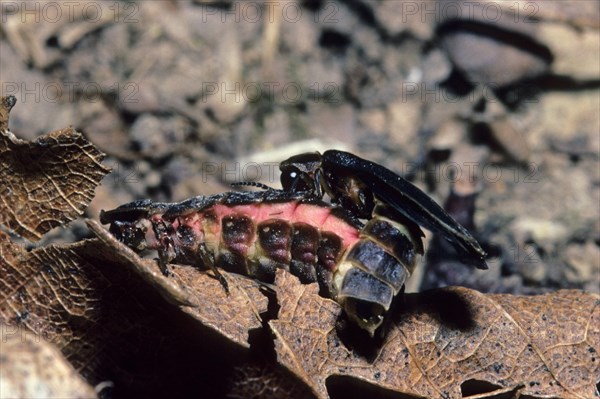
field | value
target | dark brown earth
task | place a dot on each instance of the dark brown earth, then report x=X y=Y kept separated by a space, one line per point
x=494 y=113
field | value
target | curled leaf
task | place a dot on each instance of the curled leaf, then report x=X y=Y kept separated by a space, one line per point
x=47 y=182
x=6 y=104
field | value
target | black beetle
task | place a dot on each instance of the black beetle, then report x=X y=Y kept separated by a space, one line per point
x=366 y=189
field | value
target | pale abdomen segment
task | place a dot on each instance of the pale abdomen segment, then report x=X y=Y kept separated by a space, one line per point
x=375 y=269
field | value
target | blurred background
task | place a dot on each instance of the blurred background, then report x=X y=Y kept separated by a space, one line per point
x=492 y=108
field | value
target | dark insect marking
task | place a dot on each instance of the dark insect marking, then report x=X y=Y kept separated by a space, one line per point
x=274 y=237
x=232 y=261
x=237 y=235
x=305 y=244
x=237 y=229
x=186 y=236
x=330 y=248
x=210 y=216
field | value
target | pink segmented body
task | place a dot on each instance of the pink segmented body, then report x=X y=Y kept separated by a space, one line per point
x=361 y=266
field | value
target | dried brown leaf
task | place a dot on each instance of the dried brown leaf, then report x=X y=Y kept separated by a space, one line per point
x=34 y=368
x=266 y=381
x=232 y=315
x=542 y=346
x=50 y=293
x=6 y=104
x=108 y=322
x=46 y=182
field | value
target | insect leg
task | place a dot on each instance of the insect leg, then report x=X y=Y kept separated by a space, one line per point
x=321 y=186
x=209 y=261
x=166 y=251
x=165 y=256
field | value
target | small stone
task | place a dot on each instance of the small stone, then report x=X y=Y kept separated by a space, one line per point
x=157 y=136
x=546 y=233
x=530 y=265
x=447 y=136
x=558 y=118
x=486 y=61
x=583 y=263
x=468 y=162
x=336 y=123
x=373 y=120
x=404 y=119
x=576 y=52
x=436 y=67
x=398 y=17
x=153 y=179
x=277 y=128
x=510 y=139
